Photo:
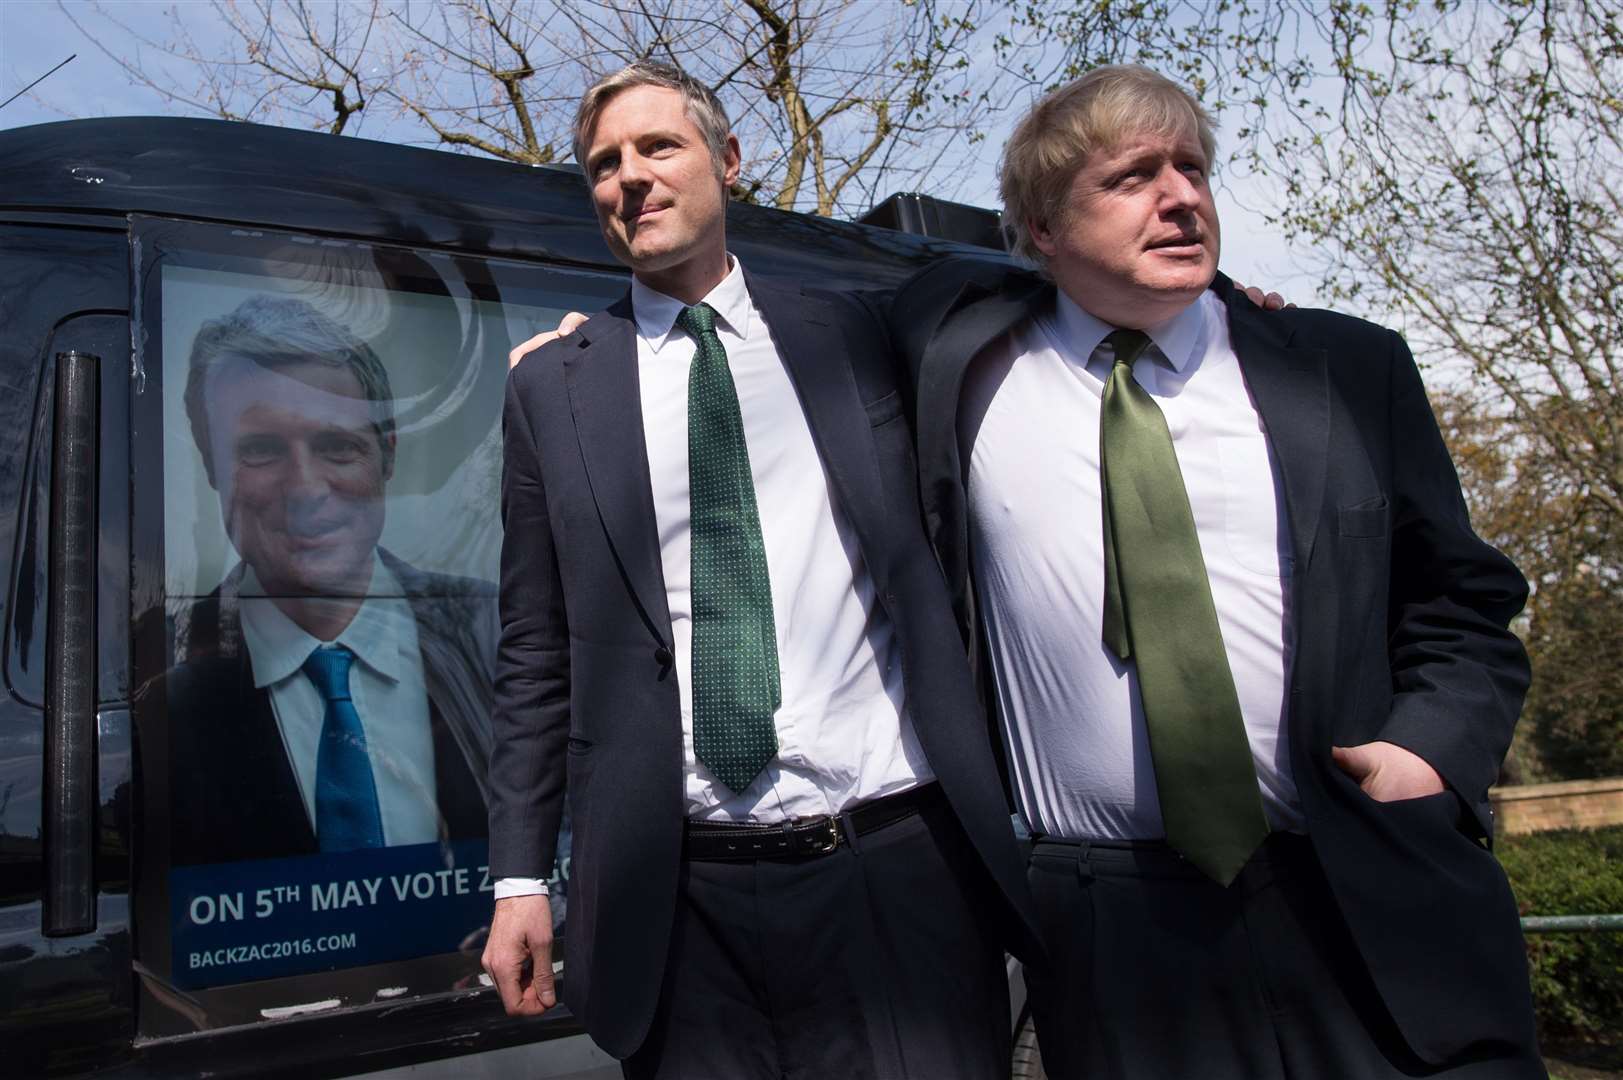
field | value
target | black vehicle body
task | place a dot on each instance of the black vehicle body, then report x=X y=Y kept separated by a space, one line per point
x=99 y=220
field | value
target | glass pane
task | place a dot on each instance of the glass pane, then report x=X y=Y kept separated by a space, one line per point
x=330 y=535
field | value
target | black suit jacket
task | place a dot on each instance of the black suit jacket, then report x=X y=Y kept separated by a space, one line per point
x=1398 y=614
x=585 y=687
x=234 y=794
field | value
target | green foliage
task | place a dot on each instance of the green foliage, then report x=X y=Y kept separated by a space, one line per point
x=1574 y=713
x=1577 y=978
x=1570 y=546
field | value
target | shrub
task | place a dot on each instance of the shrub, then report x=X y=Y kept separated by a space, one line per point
x=1577 y=977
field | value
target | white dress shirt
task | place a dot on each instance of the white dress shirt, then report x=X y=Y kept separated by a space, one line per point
x=844 y=735
x=385 y=682
x=1029 y=426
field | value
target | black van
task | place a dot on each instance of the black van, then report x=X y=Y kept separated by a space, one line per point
x=172 y=522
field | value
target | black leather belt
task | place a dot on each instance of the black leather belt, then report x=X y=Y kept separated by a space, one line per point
x=802 y=836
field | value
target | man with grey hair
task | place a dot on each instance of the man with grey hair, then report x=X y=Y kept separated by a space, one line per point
x=725 y=643
x=1250 y=661
x=350 y=688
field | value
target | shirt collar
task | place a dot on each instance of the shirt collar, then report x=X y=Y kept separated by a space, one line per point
x=656 y=313
x=1178 y=339
x=278 y=646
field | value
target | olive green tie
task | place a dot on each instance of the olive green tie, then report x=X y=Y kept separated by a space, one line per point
x=1159 y=612
x=735 y=645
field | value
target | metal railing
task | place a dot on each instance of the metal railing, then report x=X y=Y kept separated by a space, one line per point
x=1570 y=924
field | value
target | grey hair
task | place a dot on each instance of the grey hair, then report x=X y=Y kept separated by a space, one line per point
x=700 y=102
x=1095 y=112
x=274 y=332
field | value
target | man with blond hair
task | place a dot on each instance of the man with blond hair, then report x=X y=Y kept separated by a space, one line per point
x=791 y=856
x=1250 y=660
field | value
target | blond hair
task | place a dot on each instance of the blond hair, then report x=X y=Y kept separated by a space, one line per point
x=1095 y=112
x=699 y=101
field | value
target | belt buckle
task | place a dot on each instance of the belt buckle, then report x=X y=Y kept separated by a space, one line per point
x=827 y=844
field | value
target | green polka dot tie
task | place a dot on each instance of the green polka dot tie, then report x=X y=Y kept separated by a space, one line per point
x=735 y=645
x=1159 y=612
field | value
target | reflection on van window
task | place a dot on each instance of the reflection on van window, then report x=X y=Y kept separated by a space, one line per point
x=331 y=535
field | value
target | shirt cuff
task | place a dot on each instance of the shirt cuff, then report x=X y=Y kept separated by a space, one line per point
x=520 y=886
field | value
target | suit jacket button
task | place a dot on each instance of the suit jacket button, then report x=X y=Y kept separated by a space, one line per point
x=662 y=656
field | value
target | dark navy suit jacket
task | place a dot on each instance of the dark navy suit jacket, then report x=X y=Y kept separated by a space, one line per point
x=1398 y=616
x=586 y=690
x=234 y=795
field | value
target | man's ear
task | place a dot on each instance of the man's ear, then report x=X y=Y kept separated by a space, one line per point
x=208 y=467
x=1041 y=236
x=731 y=160
x=388 y=442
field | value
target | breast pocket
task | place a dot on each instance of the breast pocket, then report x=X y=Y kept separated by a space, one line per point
x=1250 y=505
x=893 y=450
x=882 y=411
x=1369 y=519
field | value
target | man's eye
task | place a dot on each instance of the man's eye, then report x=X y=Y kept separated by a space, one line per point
x=339 y=450
x=259 y=452
x=603 y=166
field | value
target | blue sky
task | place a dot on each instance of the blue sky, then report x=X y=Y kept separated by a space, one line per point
x=35 y=35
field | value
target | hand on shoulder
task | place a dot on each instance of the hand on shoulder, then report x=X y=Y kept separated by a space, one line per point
x=567 y=325
x=1266 y=301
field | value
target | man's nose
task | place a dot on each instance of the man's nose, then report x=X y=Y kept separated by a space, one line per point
x=305 y=477
x=634 y=171
x=1178 y=189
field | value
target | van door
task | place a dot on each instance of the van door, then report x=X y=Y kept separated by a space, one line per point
x=313 y=467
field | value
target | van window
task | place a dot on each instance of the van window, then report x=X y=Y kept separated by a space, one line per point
x=59 y=290
x=316 y=461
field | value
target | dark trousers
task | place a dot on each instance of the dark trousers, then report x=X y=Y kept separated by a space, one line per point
x=1157 y=973
x=879 y=961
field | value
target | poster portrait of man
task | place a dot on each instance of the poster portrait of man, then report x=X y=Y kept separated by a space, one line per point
x=327 y=695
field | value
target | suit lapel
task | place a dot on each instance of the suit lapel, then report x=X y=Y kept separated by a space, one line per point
x=1291 y=391
x=606 y=404
x=816 y=356
x=976 y=317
